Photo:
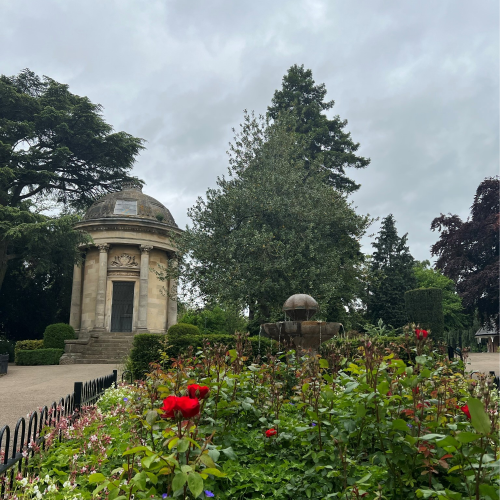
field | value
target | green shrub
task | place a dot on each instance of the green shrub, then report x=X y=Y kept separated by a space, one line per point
x=145 y=350
x=29 y=345
x=183 y=330
x=39 y=357
x=215 y=320
x=6 y=347
x=424 y=307
x=147 y=346
x=55 y=335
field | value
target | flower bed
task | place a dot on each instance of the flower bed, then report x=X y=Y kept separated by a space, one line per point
x=367 y=425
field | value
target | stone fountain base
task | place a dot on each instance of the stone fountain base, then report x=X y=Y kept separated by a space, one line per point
x=301 y=335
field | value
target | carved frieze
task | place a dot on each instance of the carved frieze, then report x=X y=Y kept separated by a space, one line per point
x=124 y=260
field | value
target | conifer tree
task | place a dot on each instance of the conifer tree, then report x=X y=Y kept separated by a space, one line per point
x=393 y=265
x=326 y=142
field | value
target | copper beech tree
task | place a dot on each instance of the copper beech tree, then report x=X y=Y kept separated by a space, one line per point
x=467 y=251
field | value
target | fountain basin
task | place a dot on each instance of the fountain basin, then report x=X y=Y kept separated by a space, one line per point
x=301 y=334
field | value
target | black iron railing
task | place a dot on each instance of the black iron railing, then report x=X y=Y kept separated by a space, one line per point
x=15 y=450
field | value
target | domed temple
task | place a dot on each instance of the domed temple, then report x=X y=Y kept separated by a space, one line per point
x=115 y=292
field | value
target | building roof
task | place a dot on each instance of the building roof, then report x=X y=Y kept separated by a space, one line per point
x=131 y=203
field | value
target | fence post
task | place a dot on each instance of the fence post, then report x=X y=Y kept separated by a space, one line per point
x=78 y=395
x=115 y=378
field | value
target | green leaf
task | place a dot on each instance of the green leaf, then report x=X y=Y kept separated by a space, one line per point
x=305 y=387
x=489 y=490
x=206 y=460
x=323 y=363
x=431 y=437
x=135 y=450
x=182 y=445
x=383 y=387
x=448 y=441
x=479 y=418
x=97 y=477
x=360 y=411
x=151 y=417
x=214 y=472
x=195 y=483
x=229 y=453
x=400 y=425
x=420 y=360
x=466 y=437
x=179 y=481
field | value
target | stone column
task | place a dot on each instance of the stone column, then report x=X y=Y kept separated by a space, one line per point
x=172 y=297
x=75 y=315
x=100 y=302
x=142 y=317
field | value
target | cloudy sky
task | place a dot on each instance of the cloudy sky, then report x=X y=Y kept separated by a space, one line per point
x=417 y=82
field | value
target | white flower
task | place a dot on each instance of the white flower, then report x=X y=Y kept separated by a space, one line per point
x=39 y=495
x=46 y=478
x=52 y=487
x=67 y=484
x=24 y=481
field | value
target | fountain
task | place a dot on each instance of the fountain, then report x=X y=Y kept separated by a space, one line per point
x=300 y=332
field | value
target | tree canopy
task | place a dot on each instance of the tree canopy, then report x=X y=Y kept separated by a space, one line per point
x=468 y=252
x=392 y=267
x=56 y=151
x=325 y=141
x=271 y=229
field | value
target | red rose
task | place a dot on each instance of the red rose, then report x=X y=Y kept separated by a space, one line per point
x=271 y=432
x=415 y=390
x=465 y=409
x=187 y=407
x=421 y=334
x=198 y=391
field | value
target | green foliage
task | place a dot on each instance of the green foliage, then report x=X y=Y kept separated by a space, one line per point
x=29 y=345
x=6 y=347
x=424 y=307
x=355 y=423
x=148 y=348
x=453 y=312
x=271 y=230
x=145 y=349
x=468 y=252
x=392 y=270
x=55 y=151
x=325 y=141
x=215 y=320
x=39 y=357
x=55 y=335
x=183 y=330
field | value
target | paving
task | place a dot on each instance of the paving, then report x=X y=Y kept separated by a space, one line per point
x=27 y=388
x=484 y=362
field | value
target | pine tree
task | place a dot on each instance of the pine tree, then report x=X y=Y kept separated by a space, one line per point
x=393 y=265
x=325 y=141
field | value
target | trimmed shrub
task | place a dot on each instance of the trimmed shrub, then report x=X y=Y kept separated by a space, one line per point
x=145 y=350
x=39 y=357
x=55 y=335
x=424 y=307
x=6 y=347
x=183 y=330
x=29 y=345
x=147 y=346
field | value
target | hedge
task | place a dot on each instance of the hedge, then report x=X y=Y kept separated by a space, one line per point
x=29 y=345
x=55 y=335
x=6 y=347
x=424 y=307
x=146 y=347
x=183 y=330
x=39 y=357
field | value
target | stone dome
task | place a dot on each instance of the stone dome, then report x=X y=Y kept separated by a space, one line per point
x=300 y=307
x=131 y=203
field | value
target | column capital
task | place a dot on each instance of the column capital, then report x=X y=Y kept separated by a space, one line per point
x=146 y=248
x=103 y=248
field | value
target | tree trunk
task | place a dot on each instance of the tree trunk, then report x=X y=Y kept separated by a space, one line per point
x=3 y=261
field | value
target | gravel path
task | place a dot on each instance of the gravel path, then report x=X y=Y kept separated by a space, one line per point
x=26 y=388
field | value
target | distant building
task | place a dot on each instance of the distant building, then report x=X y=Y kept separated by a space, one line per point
x=490 y=332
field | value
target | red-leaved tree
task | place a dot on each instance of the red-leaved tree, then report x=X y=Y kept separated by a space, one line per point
x=468 y=251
